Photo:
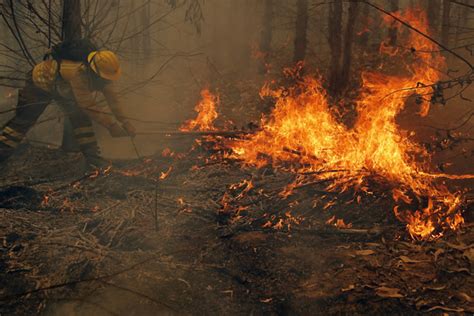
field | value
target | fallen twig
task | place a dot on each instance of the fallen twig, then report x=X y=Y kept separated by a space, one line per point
x=194 y=133
x=75 y=282
x=151 y=299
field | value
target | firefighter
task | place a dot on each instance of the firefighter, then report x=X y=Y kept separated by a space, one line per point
x=72 y=84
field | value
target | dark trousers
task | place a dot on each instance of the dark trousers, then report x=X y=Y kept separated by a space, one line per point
x=32 y=101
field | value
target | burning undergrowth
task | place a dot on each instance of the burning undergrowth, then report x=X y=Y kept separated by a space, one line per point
x=303 y=204
x=304 y=138
x=264 y=246
x=207 y=113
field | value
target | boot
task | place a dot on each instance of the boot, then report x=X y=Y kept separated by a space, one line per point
x=10 y=139
x=5 y=152
x=92 y=156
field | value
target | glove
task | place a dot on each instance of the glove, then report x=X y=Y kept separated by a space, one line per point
x=116 y=130
x=129 y=128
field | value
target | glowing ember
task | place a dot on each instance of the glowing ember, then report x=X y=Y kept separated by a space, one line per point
x=167 y=152
x=165 y=174
x=302 y=134
x=339 y=223
x=130 y=173
x=279 y=225
x=45 y=201
x=94 y=174
x=207 y=113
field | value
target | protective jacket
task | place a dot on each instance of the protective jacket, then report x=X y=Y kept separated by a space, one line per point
x=73 y=79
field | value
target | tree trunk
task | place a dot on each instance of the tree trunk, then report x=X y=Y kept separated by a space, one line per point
x=71 y=30
x=301 y=30
x=134 y=43
x=392 y=31
x=445 y=22
x=433 y=8
x=246 y=13
x=348 y=40
x=462 y=16
x=335 y=43
x=363 y=38
x=71 y=20
x=267 y=34
x=146 y=41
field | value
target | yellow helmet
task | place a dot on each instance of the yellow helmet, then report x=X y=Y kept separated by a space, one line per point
x=105 y=64
x=44 y=74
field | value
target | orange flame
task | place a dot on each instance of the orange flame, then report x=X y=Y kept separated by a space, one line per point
x=207 y=113
x=303 y=133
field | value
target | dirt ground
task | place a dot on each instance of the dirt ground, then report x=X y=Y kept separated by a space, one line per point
x=126 y=243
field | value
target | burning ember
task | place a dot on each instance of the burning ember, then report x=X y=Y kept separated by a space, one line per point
x=165 y=174
x=207 y=113
x=339 y=223
x=303 y=135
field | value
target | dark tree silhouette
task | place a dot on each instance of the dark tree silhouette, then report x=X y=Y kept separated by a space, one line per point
x=335 y=42
x=392 y=31
x=301 y=30
x=267 y=34
x=71 y=20
x=445 y=22
x=341 y=48
x=433 y=9
x=71 y=30
x=363 y=37
x=344 y=75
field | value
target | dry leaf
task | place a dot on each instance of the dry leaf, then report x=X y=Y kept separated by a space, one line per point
x=343 y=247
x=266 y=300
x=409 y=260
x=437 y=253
x=464 y=297
x=349 y=288
x=372 y=244
x=436 y=288
x=421 y=303
x=411 y=245
x=469 y=254
x=365 y=252
x=447 y=309
x=459 y=270
x=461 y=246
x=388 y=292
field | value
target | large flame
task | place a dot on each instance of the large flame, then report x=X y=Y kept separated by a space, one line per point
x=302 y=132
x=207 y=113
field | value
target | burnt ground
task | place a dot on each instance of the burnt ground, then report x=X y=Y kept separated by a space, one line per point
x=123 y=243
